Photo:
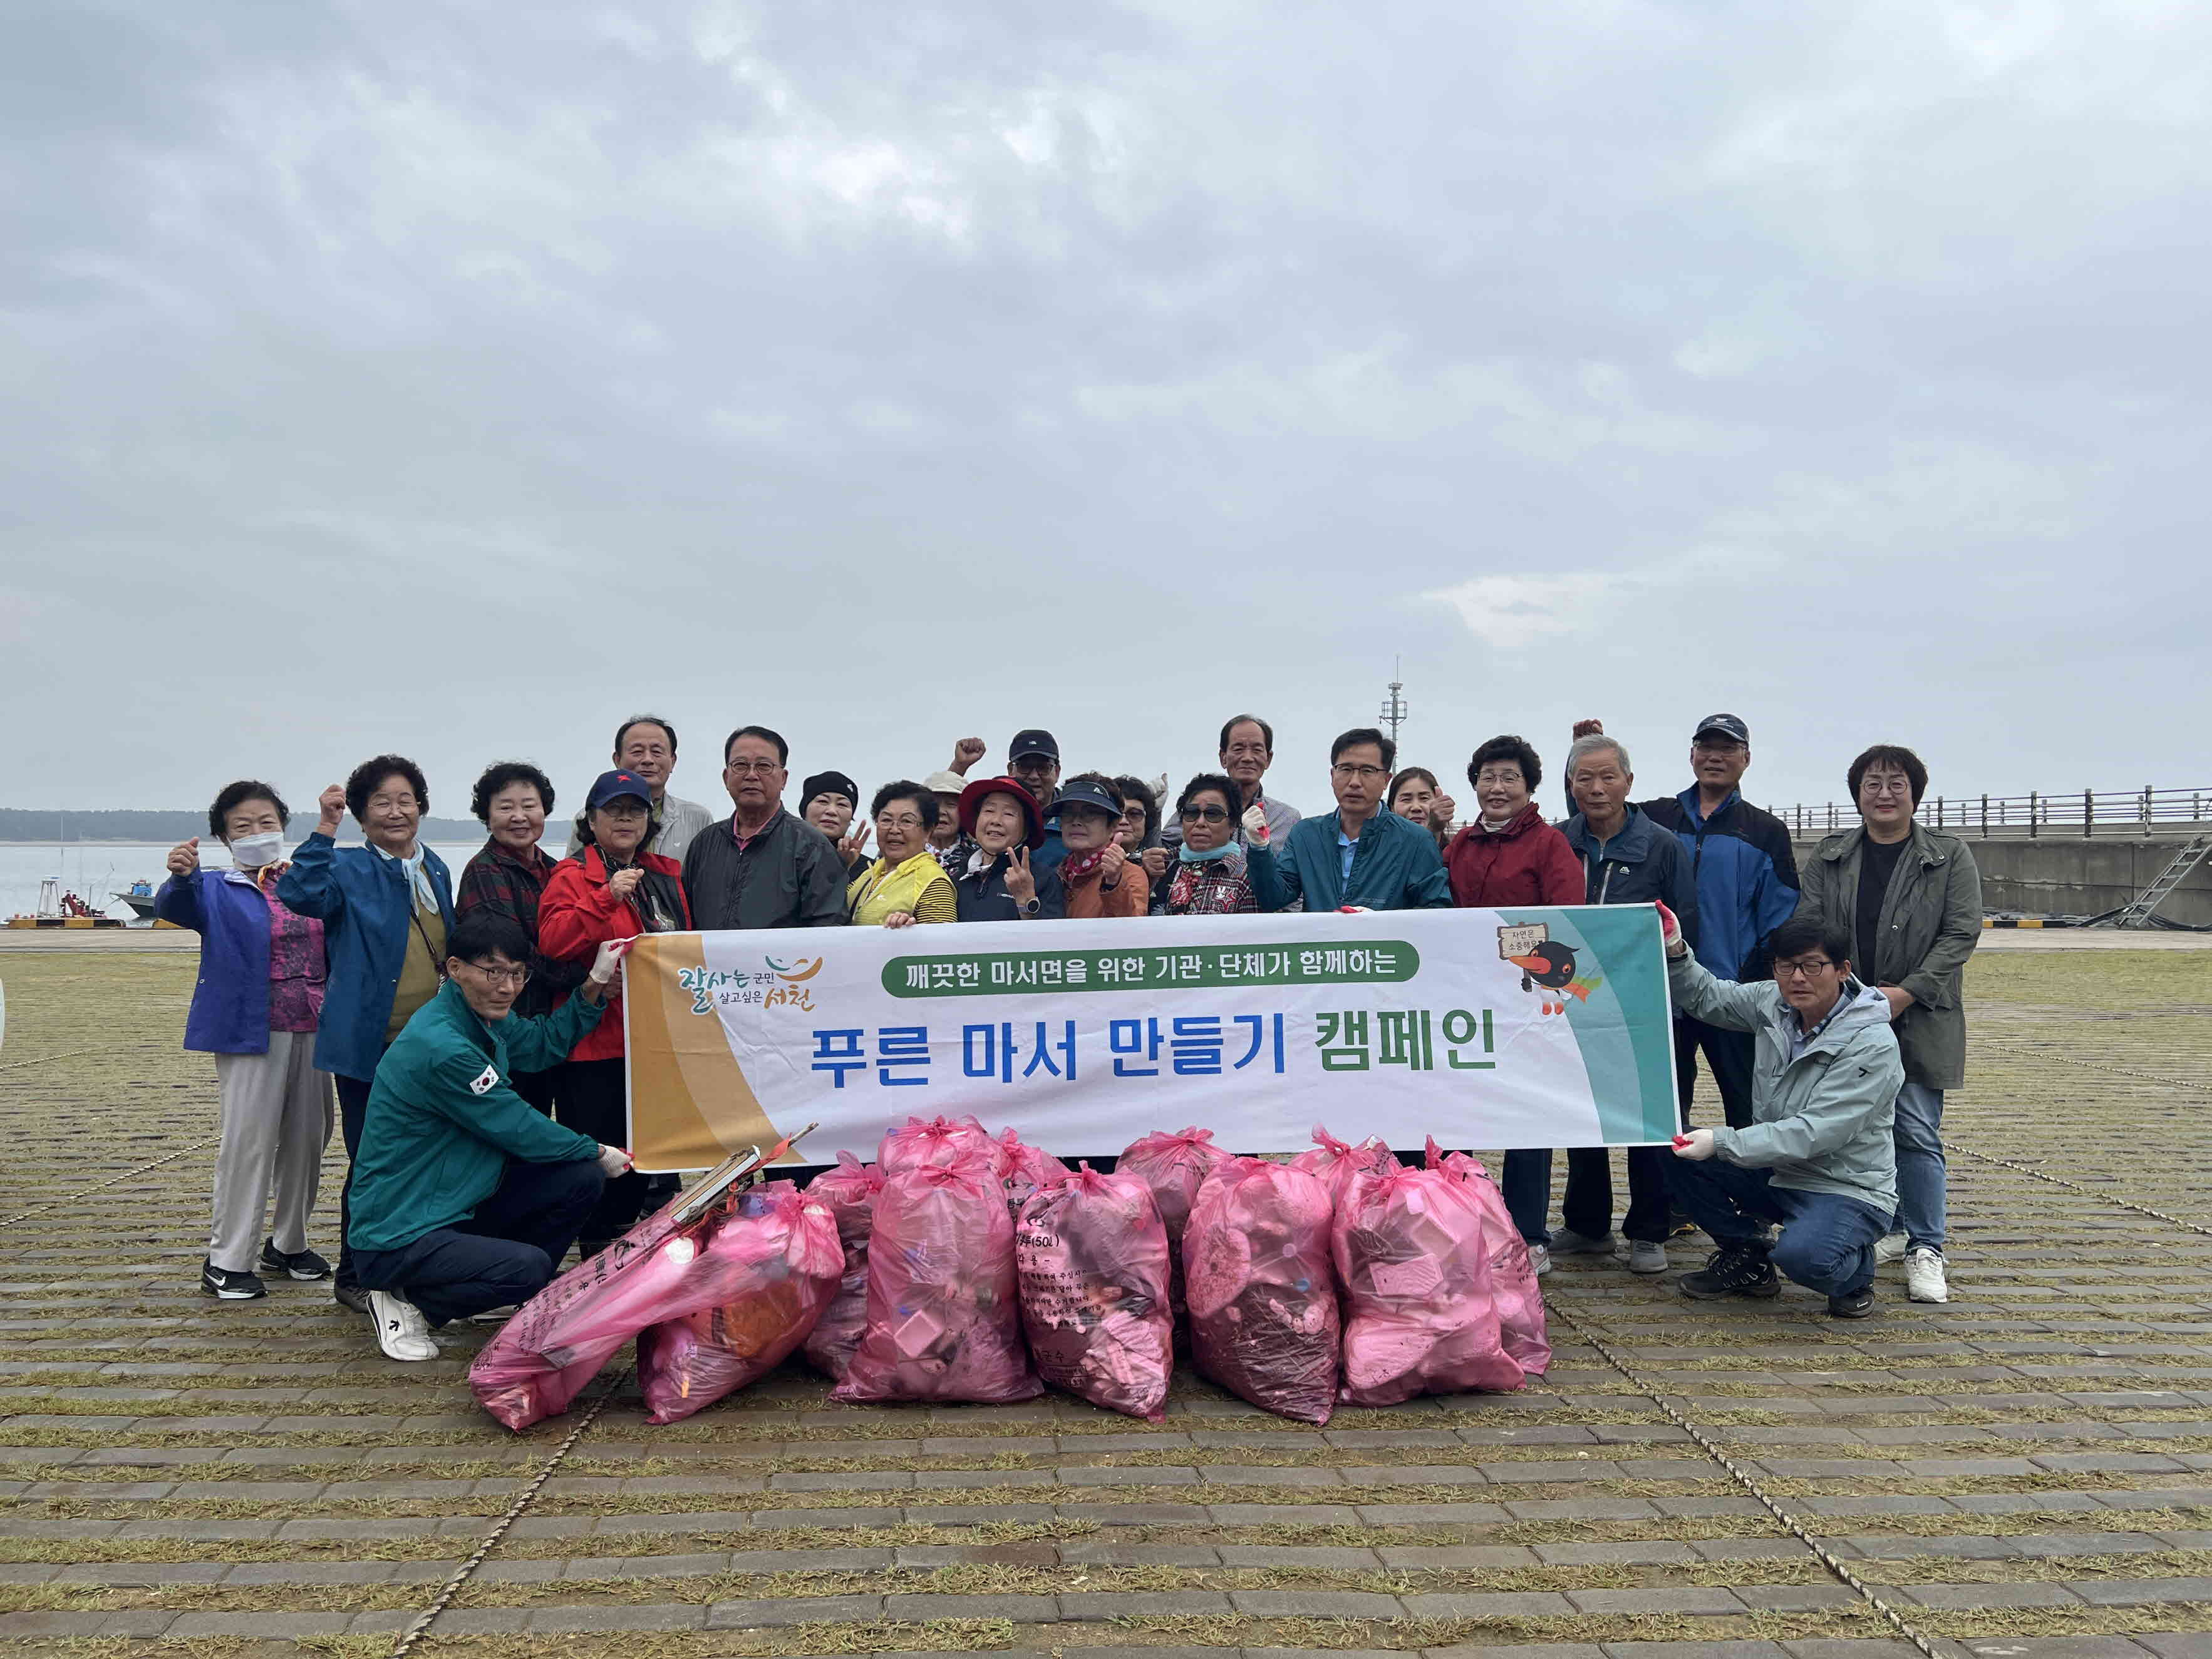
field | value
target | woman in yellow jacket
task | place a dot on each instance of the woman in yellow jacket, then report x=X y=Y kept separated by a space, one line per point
x=907 y=883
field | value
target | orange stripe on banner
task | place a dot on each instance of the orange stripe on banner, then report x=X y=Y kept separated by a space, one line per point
x=690 y=1106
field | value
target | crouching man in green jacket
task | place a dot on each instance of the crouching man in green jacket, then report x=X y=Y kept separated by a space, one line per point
x=465 y=1196
x=1818 y=1155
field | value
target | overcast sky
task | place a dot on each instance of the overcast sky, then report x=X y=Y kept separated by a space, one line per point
x=456 y=378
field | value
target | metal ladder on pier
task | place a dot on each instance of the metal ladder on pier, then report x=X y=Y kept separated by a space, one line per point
x=2138 y=910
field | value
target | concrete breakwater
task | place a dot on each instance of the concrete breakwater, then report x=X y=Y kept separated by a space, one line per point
x=2071 y=875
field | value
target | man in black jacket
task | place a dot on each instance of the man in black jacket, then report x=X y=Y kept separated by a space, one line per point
x=761 y=867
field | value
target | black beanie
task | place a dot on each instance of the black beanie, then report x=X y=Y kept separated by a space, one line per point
x=829 y=783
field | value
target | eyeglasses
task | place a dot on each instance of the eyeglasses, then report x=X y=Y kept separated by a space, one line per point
x=1206 y=815
x=752 y=768
x=1364 y=774
x=514 y=976
x=1487 y=779
x=1811 y=968
x=1873 y=785
x=901 y=821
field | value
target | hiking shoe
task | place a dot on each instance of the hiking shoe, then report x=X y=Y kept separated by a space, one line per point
x=1888 y=1248
x=1540 y=1259
x=401 y=1330
x=1646 y=1256
x=293 y=1264
x=1732 y=1270
x=1854 y=1304
x=230 y=1286
x=1924 y=1275
x=1568 y=1241
x=350 y=1296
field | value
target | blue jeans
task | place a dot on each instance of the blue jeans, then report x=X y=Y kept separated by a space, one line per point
x=1921 y=1172
x=1827 y=1242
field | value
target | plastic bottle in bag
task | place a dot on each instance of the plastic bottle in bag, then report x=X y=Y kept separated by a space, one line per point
x=1421 y=1314
x=935 y=1140
x=1263 y=1315
x=1512 y=1275
x=780 y=1252
x=850 y=1191
x=944 y=1317
x=1092 y=1256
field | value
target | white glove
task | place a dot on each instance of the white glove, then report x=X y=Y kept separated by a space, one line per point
x=1255 y=824
x=613 y=1161
x=608 y=963
x=1697 y=1146
x=1160 y=787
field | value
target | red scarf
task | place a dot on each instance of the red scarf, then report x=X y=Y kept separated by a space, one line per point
x=1076 y=866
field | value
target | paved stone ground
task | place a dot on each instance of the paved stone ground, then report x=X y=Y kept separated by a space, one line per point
x=2027 y=1471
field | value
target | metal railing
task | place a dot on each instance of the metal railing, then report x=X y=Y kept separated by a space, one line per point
x=2086 y=813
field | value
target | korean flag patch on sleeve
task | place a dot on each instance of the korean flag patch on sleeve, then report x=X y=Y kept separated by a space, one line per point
x=484 y=1081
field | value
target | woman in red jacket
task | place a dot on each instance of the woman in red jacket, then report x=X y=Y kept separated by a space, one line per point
x=611 y=888
x=1507 y=856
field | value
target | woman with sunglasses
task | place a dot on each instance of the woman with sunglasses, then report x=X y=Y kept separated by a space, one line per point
x=612 y=889
x=1209 y=878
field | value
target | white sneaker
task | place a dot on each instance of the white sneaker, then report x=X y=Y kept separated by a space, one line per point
x=401 y=1330
x=1923 y=1276
x=1540 y=1259
x=1646 y=1256
x=1888 y=1248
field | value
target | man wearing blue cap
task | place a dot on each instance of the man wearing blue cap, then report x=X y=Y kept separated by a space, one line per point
x=1746 y=879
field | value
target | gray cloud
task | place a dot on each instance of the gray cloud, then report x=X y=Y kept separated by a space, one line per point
x=456 y=380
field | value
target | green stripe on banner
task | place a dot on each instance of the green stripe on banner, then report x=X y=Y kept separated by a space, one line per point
x=1050 y=973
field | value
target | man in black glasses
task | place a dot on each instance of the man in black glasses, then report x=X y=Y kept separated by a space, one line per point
x=465 y=1196
x=762 y=867
x=1818 y=1155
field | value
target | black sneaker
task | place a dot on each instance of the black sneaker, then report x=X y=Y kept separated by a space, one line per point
x=1732 y=1270
x=350 y=1296
x=230 y=1286
x=299 y=1264
x=1852 y=1304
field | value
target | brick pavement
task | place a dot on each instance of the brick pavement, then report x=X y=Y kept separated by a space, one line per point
x=2027 y=1472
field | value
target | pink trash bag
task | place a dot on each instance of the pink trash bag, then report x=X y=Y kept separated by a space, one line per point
x=944 y=1319
x=1421 y=1317
x=1512 y=1276
x=1093 y=1259
x=541 y=1358
x=1174 y=1166
x=1336 y=1162
x=1022 y=1169
x=850 y=1192
x=945 y=1140
x=1263 y=1319
x=779 y=1246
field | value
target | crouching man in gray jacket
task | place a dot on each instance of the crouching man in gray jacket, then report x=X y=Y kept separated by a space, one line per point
x=1819 y=1155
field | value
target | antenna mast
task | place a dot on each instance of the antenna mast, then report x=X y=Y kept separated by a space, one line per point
x=1395 y=712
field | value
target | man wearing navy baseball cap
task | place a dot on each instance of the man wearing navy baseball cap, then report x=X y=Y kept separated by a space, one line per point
x=1747 y=878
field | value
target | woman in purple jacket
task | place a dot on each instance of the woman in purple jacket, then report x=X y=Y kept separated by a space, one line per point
x=255 y=1009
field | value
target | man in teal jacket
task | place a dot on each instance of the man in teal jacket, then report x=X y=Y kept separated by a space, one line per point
x=1361 y=853
x=465 y=1196
x=1817 y=1155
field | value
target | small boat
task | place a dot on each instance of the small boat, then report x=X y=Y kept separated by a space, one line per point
x=139 y=896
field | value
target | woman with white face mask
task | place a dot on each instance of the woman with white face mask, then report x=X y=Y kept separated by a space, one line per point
x=255 y=1009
